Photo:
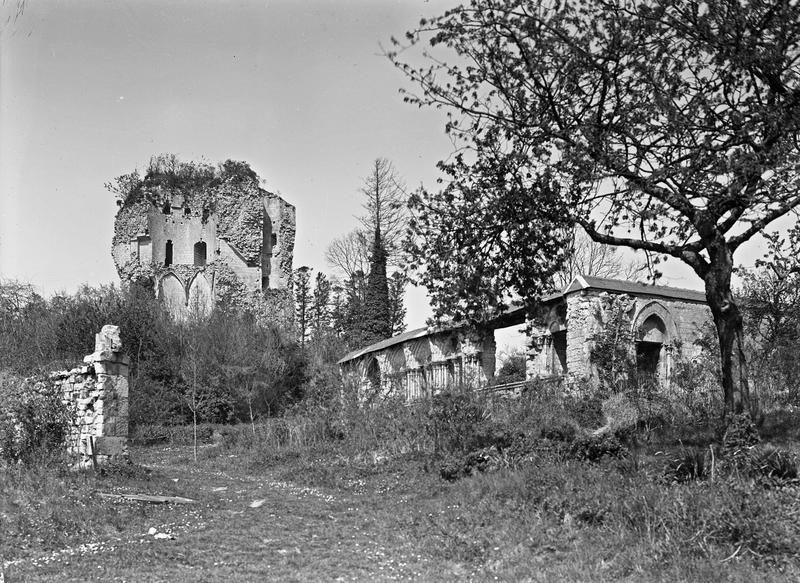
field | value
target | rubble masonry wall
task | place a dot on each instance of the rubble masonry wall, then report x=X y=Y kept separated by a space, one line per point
x=98 y=394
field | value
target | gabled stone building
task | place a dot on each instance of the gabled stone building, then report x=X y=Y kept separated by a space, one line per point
x=664 y=323
x=222 y=238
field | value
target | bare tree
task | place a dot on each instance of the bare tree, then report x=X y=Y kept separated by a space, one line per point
x=385 y=206
x=349 y=253
x=587 y=257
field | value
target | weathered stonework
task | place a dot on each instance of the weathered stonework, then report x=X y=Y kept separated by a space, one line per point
x=665 y=322
x=98 y=395
x=215 y=241
x=422 y=363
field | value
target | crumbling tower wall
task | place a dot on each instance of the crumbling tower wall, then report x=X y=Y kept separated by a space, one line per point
x=205 y=237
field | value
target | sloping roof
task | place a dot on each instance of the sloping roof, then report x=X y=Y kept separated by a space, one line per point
x=400 y=338
x=582 y=282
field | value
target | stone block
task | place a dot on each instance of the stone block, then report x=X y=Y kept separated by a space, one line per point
x=111 y=446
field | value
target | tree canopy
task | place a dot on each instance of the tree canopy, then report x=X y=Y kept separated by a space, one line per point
x=669 y=127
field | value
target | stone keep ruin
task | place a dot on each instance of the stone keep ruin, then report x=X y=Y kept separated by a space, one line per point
x=200 y=236
x=98 y=394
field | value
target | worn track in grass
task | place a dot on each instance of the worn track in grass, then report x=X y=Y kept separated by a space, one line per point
x=293 y=533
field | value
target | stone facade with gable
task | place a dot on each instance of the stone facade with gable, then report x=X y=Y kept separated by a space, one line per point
x=666 y=324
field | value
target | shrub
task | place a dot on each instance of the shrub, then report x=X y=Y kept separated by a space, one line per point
x=586 y=409
x=690 y=464
x=34 y=421
x=593 y=447
x=513 y=369
x=774 y=464
x=560 y=430
x=454 y=419
x=740 y=434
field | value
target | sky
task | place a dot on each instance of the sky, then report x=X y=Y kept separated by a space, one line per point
x=301 y=90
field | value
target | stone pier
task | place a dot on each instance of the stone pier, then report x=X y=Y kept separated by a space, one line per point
x=98 y=394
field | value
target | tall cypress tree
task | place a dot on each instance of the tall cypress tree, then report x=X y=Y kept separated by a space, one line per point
x=377 y=312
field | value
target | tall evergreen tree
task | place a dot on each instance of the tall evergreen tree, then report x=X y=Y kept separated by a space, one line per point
x=321 y=308
x=303 y=299
x=397 y=308
x=377 y=323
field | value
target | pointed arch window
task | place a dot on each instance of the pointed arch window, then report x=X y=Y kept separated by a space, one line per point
x=168 y=253
x=200 y=254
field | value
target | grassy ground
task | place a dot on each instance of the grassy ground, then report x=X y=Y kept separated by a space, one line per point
x=318 y=514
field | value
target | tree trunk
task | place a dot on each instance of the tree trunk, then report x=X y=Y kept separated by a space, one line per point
x=730 y=331
x=250 y=407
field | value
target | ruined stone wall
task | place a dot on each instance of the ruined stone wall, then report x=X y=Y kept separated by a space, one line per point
x=582 y=324
x=249 y=275
x=97 y=392
x=425 y=365
x=248 y=233
x=684 y=321
x=284 y=223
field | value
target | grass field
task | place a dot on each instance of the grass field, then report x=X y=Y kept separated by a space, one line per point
x=326 y=513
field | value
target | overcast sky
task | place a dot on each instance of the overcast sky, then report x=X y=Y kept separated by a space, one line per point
x=90 y=90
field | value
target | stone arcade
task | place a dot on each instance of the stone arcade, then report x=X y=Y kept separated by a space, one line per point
x=664 y=321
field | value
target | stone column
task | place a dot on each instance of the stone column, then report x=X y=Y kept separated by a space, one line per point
x=106 y=436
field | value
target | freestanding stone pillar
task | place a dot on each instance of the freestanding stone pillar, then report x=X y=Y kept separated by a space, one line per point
x=98 y=392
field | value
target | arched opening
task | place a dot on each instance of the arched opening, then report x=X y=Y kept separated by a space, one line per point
x=173 y=295
x=200 y=254
x=168 y=253
x=652 y=335
x=558 y=354
x=200 y=296
x=167 y=208
x=374 y=377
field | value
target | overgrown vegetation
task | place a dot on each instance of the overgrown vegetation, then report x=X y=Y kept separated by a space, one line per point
x=225 y=368
x=660 y=492
x=33 y=420
x=497 y=485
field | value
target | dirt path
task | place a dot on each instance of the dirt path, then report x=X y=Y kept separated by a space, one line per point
x=249 y=528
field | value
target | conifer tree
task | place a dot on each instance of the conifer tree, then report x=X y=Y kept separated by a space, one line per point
x=303 y=301
x=321 y=308
x=397 y=309
x=377 y=323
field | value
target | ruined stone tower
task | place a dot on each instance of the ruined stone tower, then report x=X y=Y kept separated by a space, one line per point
x=200 y=236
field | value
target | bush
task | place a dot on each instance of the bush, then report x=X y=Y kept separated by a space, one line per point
x=595 y=447
x=586 y=409
x=774 y=464
x=560 y=430
x=454 y=420
x=690 y=464
x=34 y=422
